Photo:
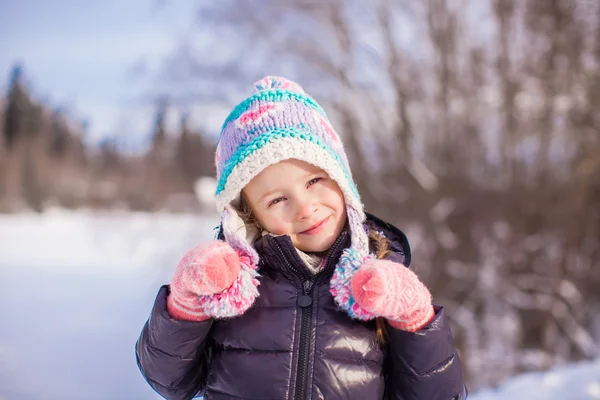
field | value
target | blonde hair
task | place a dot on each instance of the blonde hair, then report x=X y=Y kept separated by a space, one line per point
x=376 y=240
x=382 y=250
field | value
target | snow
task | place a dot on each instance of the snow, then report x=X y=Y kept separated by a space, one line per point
x=205 y=188
x=573 y=382
x=77 y=287
x=75 y=291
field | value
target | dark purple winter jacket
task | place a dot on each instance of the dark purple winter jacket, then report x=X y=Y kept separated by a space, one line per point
x=295 y=344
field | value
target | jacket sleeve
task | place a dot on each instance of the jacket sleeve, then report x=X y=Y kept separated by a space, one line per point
x=172 y=355
x=424 y=365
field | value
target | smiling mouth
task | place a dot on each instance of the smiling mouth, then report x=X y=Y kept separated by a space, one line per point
x=315 y=228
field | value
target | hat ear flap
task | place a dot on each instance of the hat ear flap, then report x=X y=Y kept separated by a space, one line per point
x=350 y=261
x=358 y=232
x=236 y=233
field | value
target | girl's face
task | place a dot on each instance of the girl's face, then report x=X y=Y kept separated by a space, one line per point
x=300 y=200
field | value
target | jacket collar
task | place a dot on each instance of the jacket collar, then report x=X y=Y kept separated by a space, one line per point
x=277 y=253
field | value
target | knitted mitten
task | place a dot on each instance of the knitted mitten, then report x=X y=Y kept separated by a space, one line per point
x=203 y=271
x=388 y=289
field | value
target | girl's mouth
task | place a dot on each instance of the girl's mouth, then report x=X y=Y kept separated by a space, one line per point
x=313 y=230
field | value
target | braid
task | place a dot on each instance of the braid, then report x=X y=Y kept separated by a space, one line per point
x=382 y=250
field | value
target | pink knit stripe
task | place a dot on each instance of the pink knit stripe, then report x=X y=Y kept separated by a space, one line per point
x=213 y=281
x=214 y=255
x=186 y=312
x=416 y=322
x=205 y=268
x=186 y=301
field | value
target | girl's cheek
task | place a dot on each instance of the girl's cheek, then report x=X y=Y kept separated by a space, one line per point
x=276 y=222
x=332 y=188
x=279 y=228
x=332 y=194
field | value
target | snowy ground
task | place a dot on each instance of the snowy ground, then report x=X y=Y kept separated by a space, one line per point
x=570 y=382
x=76 y=288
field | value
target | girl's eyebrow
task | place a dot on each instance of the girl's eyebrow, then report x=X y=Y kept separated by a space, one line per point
x=267 y=194
x=302 y=178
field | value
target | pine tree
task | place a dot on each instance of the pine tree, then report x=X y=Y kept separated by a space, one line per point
x=17 y=103
x=160 y=133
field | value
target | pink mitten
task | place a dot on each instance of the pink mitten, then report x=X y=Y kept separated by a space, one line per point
x=203 y=271
x=391 y=290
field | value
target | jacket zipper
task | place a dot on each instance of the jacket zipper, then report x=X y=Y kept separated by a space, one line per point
x=305 y=322
x=305 y=326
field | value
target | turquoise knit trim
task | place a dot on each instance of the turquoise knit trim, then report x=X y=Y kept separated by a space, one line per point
x=275 y=95
x=245 y=150
x=340 y=283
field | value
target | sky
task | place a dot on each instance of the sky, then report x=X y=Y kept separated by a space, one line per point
x=100 y=60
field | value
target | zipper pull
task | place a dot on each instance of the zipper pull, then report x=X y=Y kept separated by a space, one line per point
x=307 y=286
x=305 y=300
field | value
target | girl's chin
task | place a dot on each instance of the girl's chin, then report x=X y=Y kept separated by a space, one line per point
x=321 y=241
x=316 y=246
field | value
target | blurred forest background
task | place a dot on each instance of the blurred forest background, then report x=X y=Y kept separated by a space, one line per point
x=474 y=125
x=44 y=161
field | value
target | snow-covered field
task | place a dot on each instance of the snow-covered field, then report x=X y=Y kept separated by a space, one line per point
x=76 y=288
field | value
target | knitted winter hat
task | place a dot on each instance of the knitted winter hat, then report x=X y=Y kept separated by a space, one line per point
x=279 y=121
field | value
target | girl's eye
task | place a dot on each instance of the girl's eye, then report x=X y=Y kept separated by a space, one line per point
x=273 y=202
x=313 y=181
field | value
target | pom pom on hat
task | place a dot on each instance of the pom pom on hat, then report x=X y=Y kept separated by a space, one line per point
x=277 y=82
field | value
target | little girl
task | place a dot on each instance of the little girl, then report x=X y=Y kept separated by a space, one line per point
x=303 y=295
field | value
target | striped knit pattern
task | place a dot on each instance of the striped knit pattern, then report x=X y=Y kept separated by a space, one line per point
x=391 y=290
x=340 y=285
x=212 y=281
x=279 y=121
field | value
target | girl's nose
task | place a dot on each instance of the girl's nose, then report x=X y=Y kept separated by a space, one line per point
x=306 y=208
